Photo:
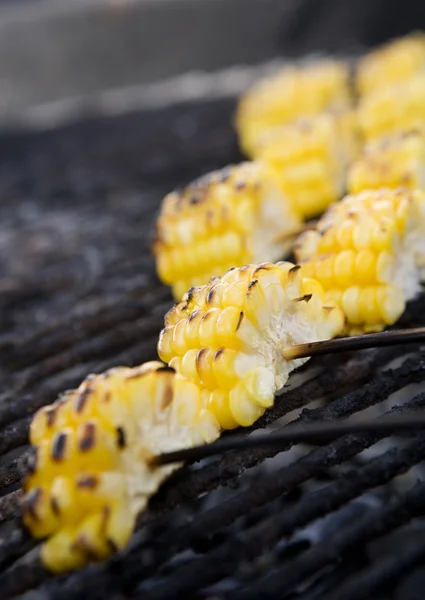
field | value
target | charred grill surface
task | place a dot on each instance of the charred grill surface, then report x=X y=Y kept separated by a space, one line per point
x=78 y=293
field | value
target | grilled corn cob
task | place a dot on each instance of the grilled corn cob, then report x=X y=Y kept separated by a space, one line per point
x=228 y=336
x=228 y=218
x=391 y=162
x=294 y=92
x=364 y=252
x=396 y=61
x=394 y=109
x=89 y=477
x=311 y=157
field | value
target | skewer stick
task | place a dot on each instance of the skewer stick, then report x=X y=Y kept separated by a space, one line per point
x=413 y=421
x=360 y=342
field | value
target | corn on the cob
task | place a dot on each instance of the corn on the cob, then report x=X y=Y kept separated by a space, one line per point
x=311 y=157
x=395 y=62
x=228 y=218
x=90 y=477
x=228 y=336
x=364 y=253
x=394 y=109
x=294 y=92
x=397 y=161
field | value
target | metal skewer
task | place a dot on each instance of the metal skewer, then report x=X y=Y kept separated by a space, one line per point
x=412 y=421
x=361 y=342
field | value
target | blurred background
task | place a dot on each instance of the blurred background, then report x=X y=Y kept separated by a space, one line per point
x=52 y=50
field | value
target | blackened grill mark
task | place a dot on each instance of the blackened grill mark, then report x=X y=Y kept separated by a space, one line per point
x=293 y=270
x=218 y=353
x=121 y=437
x=252 y=284
x=207 y=315
x=328 y=308
x=90 y=482
x=31 y=462
x=58 y=447
x=192 y=315
x=200 y=354
x=55 y=506
x=88 y=439
x=241 y=315
x=31 y=501
x=261 y=268
x=305 y=298
x=51 y=414
x=82 y=399
x=209 y=299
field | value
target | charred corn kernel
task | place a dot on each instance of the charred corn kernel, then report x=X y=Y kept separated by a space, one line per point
x=89 y=476
x=294 y=92
x=310 y=157
x=393 y=110
x=239 y=364
x=396 y=161
x=395 y=62
x=226 y=219
x=364 y=252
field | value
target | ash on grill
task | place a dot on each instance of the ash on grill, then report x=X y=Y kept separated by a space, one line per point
x=79 y=294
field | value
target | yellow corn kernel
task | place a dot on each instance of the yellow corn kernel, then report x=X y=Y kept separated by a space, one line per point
x=228 y=218
x=243 y=409
x=239 y=364
x=311 y=158
x=218 y=403
x=397 y=61
x=392 y=162
x=393 y=110
x=90 y=475
x=364 y=252
x=292 y=93
x=370 y=308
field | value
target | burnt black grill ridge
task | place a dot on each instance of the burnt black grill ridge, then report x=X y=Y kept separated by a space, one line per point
x=387 y=571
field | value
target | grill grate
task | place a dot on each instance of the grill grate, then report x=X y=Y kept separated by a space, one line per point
x=79 y=294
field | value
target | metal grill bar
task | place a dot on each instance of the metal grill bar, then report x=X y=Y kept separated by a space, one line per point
x=113 y=314
x=387 y=571
x=375 y=524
